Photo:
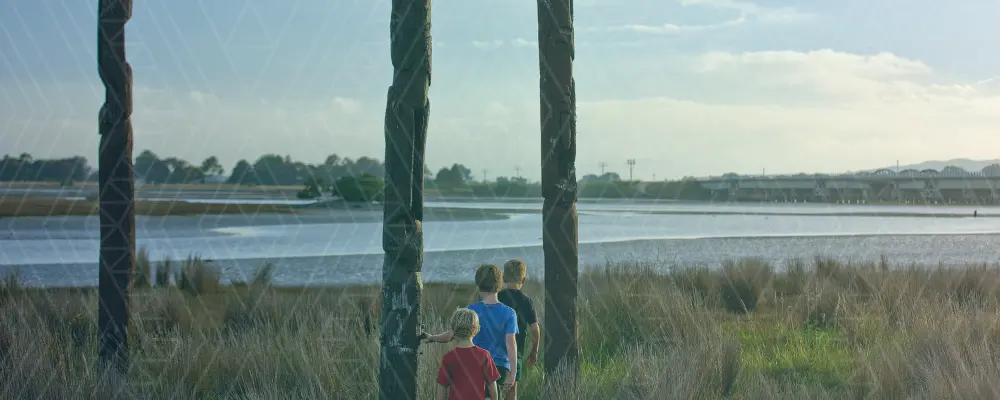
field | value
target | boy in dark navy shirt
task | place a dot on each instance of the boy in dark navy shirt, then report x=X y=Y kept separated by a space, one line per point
x=515 y=274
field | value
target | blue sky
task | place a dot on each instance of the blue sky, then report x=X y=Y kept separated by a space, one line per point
x=686 y=87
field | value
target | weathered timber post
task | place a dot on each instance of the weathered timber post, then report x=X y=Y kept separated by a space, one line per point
x=406 y=117
x=117 y=184
x=559 y=185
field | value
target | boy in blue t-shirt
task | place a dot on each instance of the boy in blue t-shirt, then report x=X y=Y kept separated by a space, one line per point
x=498 y=325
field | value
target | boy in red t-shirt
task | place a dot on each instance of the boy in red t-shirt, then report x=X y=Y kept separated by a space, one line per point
x=467 y=372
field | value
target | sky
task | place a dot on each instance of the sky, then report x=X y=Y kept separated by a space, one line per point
x=684 y=87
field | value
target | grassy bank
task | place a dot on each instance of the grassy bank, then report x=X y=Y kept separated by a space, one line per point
x=807 y=330
x=17 y=206
x=227 y=187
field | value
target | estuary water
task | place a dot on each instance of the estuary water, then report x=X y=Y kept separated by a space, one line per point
x=62 y=251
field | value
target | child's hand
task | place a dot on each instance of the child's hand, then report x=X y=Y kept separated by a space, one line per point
x=508 y=384
x=423 y=337
x=532 y=358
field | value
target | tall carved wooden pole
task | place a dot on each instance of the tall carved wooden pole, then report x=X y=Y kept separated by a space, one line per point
x=559 y=186
x=117 y=184
x=406 y=117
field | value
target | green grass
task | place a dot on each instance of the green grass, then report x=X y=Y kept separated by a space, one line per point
x=746 y=330
x=808 y=355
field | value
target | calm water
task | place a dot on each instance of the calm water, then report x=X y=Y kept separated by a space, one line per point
x=63 y=251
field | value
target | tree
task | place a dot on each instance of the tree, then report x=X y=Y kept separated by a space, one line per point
x=462 y=171
x=182 y=172
x=332 y=160
x=364 y=188
x=313 y=189
x=273 y=169
x=243 y=174
x=211 y=167
x=446 y=179
x=457 y=175
x=151 y=168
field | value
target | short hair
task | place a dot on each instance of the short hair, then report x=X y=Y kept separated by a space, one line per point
x=488 y=278
x=514 y=271
x=464 y=323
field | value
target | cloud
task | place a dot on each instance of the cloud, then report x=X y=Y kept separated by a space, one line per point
x=673 y=29
x=758 y=13
x=203 y=98
x=788 y=111
x=496 y=44
x=348 y=106
x=520 y=42
x=748 y=13
x=487 y=45
x=826 y=74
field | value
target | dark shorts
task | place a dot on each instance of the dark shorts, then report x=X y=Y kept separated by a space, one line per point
x=503 y=376
x=505 y=371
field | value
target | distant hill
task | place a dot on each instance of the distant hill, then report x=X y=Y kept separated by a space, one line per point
x=964 y=163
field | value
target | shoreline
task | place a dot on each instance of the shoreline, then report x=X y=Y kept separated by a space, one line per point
x=230 y=191
x=537 y=275
x=451 y=266
x=51 y=207
x=340 y=214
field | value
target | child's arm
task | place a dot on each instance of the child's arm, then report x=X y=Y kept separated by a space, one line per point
x=511 y=332
x=512 y=356
x=536 y=333
x=443 y=392
x=441 y=337
x=492 y=388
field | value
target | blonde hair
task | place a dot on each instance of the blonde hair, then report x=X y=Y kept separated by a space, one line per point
x=464 y=323
x=514 y=271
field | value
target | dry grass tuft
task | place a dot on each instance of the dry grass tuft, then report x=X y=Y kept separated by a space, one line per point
x=197 y=277
x=142 y=274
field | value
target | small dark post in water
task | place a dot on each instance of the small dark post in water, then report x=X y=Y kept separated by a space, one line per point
x=116 y=185
x=406 y=117
x=559 y=185
x=975 y=213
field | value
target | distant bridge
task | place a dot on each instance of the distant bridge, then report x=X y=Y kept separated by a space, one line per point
x=951 y=185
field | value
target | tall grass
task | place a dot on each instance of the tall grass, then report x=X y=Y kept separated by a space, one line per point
x=142 y=271
x=743 y=330
x=197 y=277
x=163 y=272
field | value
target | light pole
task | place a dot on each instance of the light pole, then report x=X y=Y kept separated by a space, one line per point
x=631 y=166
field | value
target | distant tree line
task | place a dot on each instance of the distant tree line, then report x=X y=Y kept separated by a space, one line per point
x=155 y=170
x=25 y=168
x=355 y=179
